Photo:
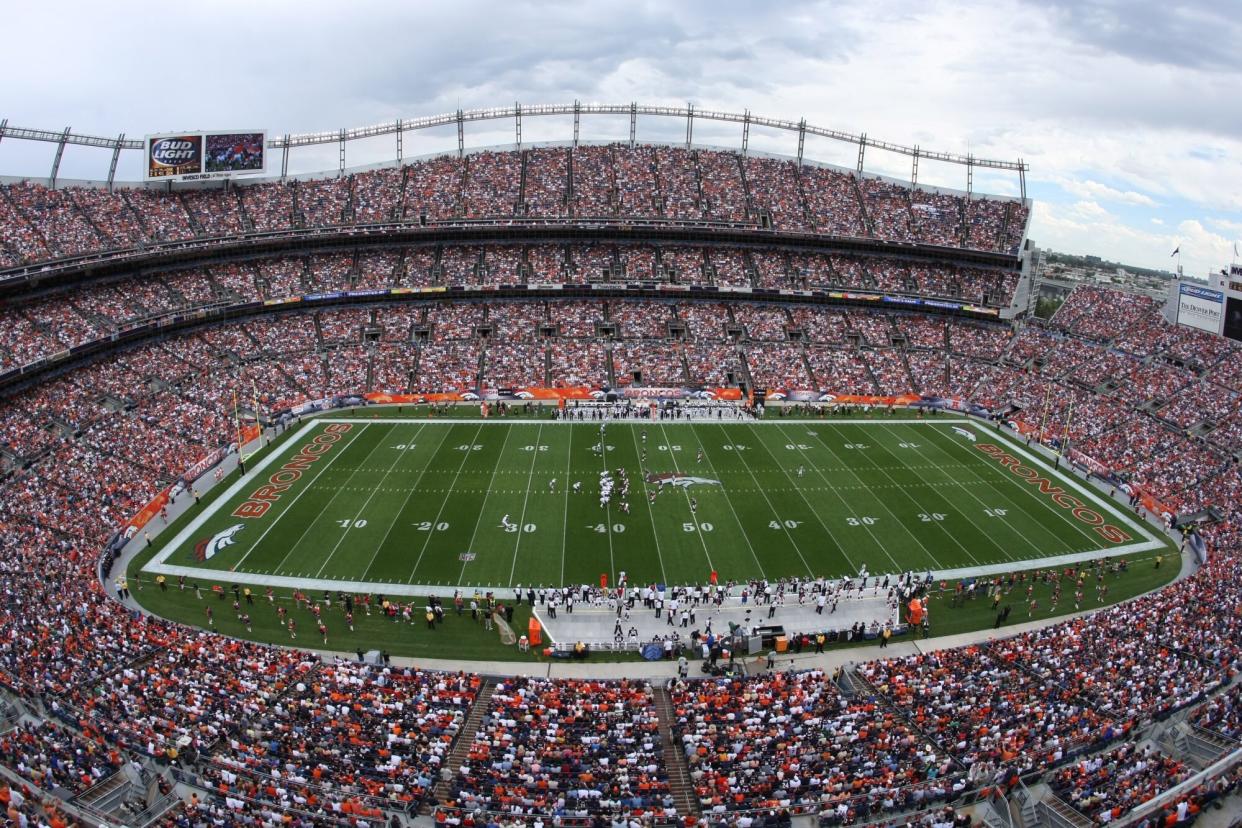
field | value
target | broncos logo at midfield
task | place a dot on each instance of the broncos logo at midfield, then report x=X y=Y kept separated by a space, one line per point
x=206 y=549
x=685 y=481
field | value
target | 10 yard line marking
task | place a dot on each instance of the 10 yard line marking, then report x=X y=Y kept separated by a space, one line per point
x=374 y=489
x=310 y=523
x=285 y=511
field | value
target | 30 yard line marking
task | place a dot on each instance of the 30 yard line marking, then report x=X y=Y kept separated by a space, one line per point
x=530 y=479
x=301 y=492
x=935 y=561
x=478 y=521
x=443 y=503
x=874 y=540
x=374 y=489
x=902 y=488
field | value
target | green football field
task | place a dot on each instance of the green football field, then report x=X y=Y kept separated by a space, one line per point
x=398 y=505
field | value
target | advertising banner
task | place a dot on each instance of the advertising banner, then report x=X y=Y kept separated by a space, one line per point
x=205 y=156
x=1200 y=308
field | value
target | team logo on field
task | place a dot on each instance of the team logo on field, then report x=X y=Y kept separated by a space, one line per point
x=207 y=548
x=685 y=481
x=969 y=435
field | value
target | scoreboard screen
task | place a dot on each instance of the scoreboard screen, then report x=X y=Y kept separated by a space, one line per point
x=205 y=156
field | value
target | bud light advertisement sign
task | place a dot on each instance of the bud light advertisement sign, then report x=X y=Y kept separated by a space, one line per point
x=205 y=156
x=171 y=156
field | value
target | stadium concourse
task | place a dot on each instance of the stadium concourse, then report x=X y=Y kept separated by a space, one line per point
x=121 y=716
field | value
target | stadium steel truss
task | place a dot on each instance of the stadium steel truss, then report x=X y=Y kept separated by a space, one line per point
x=517 y=112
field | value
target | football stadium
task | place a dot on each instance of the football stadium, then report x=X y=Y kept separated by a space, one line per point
x=618 y=482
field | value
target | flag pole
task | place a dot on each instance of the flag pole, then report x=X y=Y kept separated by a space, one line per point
x=1044 y=421
x=241 y=458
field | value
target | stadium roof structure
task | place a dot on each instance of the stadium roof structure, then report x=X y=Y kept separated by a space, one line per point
x=689 y=113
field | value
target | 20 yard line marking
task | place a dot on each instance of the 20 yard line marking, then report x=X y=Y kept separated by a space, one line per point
x=291 y=503
x=483 y=507
x=410 y=494
x=462 y=465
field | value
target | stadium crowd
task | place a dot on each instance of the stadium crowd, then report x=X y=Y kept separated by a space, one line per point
x=278 y=732
x=39 y=224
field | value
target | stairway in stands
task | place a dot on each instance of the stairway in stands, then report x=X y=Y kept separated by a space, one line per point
x=674 y=756
x=465 y=736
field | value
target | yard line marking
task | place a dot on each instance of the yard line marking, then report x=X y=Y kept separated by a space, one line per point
x=377 y=488
x=686 y=491
x=443 y=503
x=961 y=484
x=301 y=492
x=569 y=457
x=530 y=478
x=901 y=488
x=478 y=521
x=409 y=495
x=311 y=522
x=883 y=504
x=745 y=536
x=642 y=475
x=874 y=540
x=603 y=458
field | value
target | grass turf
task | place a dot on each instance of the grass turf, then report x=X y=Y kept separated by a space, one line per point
x=397 y=505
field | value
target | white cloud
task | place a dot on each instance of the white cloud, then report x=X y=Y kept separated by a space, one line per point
x=1086 y=188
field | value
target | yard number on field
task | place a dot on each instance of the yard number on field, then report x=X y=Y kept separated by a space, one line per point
x=784 y=524
x=470 y=447
x=866 y=520
x=996 y=512
x=702 y=527
x=428 y=526
x=602 y=528
x=352 y=524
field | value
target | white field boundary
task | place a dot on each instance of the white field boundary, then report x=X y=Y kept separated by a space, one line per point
x=157 y=565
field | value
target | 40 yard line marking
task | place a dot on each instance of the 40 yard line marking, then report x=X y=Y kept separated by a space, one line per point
x=301 y=492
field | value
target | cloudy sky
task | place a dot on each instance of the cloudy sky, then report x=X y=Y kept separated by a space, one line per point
x=1127 y=111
